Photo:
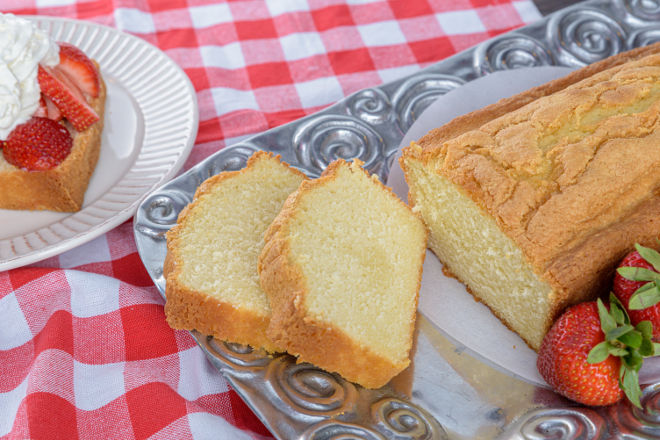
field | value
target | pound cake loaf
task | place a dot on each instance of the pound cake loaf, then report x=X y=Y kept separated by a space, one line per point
x=531 y=201
x=211 y=262
x=342 y=266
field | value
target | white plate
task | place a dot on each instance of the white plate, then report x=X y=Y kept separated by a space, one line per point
x=150 y=127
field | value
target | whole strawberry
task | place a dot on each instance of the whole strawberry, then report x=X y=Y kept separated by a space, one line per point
x=637 y=285
x=592 y=355
x=39 y=144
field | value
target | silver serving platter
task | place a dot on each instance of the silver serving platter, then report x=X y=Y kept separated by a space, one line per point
x=448 y=391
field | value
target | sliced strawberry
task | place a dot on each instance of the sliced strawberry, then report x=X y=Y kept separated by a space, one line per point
x=79 y=68
x=42 y=110
x=52 y=111
x=47 y=109
x=67 y=98
x=39 y=144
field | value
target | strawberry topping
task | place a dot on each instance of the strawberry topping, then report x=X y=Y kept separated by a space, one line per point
x=79 y=68
x=52 y=112
x=67 y=97
x=42 y=110
x=39 y=144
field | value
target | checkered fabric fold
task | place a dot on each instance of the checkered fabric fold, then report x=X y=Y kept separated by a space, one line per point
x=85 y=351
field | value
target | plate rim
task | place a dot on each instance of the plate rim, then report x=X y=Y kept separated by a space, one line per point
x=19 y=259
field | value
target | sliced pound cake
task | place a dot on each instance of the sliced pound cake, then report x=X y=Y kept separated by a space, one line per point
x=533 y=200
x=342 y=266
x=211 y=263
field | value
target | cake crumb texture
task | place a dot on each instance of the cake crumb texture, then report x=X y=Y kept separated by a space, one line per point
x=211 y=264
x=342 y=267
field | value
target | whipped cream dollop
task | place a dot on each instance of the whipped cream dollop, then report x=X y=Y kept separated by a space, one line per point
x=22 y=47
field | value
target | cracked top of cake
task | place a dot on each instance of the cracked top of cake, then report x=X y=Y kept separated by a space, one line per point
x=561 y=166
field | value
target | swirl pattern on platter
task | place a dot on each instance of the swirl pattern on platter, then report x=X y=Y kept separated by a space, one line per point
x=511 y=52
x=239 y=357
x=310 y=390
x=335 y=430
x=371 y=105
x=644 y=37
x=646 y=421
x=395 y=417
x=230 y=159
x=163 y=207
x=565 y=424
x=413 y=96
x=586 y=35
x=647 y=10
x=323 y=139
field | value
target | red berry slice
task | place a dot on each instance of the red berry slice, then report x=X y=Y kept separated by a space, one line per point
x=52 y=112
x=67 y=98
x=79 y=68
x=42 y=110
x=37 y=145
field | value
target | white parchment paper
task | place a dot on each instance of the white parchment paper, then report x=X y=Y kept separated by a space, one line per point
x=443 y=300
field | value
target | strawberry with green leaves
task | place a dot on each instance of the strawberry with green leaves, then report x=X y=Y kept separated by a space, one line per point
x=592 y=355
x=637 y=285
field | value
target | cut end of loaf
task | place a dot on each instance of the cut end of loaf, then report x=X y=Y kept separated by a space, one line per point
x=211 y=271
x=342 y=266
x=474 y=249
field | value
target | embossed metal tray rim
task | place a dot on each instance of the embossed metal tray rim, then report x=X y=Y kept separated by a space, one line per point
x=448 y=392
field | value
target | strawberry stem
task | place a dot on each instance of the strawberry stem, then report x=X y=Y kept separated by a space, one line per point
x=650 y=255
x=646 y=296
x=631 y=344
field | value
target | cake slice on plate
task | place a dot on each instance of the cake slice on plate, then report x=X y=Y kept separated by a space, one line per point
x=52 y=120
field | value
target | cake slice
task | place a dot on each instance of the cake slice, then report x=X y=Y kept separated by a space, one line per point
x=52 y=145
x=532 y=201
x=211 y=263
x=63 y=187
x=342 y=266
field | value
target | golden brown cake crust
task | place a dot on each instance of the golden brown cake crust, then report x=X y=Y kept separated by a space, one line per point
x=477 y=118
x=63 y=187
x=187 y=309
x=573 y=198
x=319 y=343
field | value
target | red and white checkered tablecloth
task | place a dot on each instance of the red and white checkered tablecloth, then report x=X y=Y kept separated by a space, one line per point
x=85 y=351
